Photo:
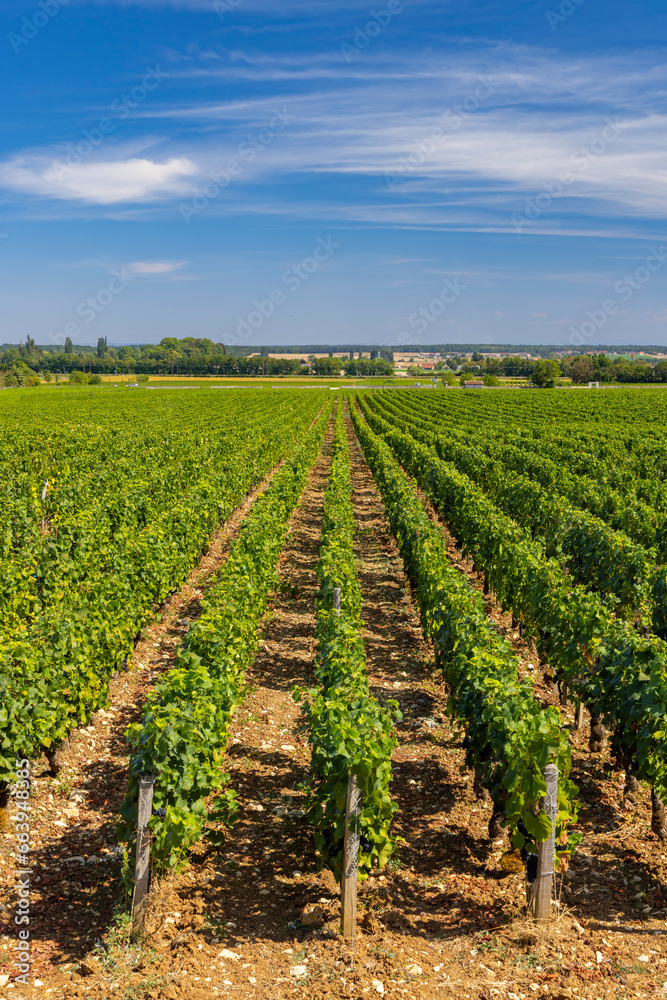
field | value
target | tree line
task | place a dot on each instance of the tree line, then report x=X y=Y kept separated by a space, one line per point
x=198 y=356
x=580 y=368
x=194 y=356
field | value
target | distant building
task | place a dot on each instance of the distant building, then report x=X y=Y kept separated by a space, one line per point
x=474 y=384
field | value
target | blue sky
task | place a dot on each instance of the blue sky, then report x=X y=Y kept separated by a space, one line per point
x=170 y=165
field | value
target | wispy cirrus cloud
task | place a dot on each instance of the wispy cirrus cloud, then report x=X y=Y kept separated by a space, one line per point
x=265 y=7
x=350 y=131
x=546 y=114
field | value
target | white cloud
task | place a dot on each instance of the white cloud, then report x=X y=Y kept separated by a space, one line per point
x=100 y=183
x=154 y=267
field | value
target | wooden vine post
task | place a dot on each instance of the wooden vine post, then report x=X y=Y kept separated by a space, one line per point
x=540 y=890
x=580 y=715
x=45 y=488
x=142 y=864
x=348 y=886
x=348 y=883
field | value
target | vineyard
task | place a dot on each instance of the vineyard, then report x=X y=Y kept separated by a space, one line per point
x=331 y=694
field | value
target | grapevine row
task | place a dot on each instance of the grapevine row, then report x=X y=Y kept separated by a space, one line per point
x=558 y=429
x=621 y=511
x=55 y=672
x=349 y=731
x=596 y=555
x=57 y=547
x=617 y=673
x=511 y=737
x=184 y=732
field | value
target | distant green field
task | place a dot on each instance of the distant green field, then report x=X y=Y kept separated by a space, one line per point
x=158 y=382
